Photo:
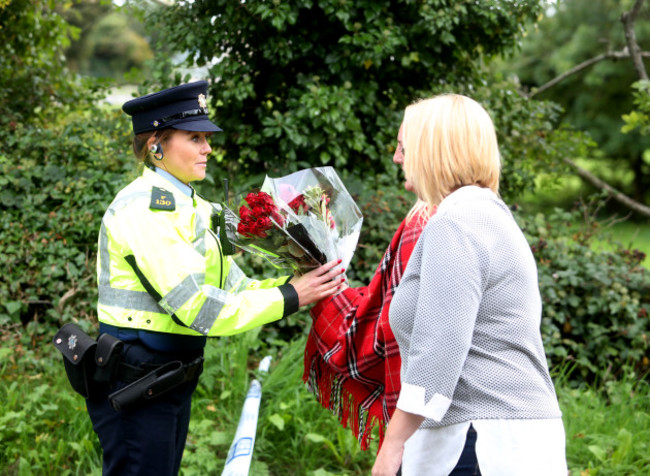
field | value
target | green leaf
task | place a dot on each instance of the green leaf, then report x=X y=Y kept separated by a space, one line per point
x=277 y=421
x=599 y=452
x=13 y=306
x=315 y=438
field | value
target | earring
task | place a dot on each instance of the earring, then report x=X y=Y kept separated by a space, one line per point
x=156 y=151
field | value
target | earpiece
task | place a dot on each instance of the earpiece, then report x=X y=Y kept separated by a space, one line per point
x=156 y=151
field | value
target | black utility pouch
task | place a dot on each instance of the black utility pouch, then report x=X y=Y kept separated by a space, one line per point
x=107 y=359
x=78 y=350
x=154 y=384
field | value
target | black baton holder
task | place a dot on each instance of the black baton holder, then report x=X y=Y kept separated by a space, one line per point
x=152 y=385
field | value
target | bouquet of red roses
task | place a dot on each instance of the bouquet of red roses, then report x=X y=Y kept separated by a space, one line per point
x=299 y=221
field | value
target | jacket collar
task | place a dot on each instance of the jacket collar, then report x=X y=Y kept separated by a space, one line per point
x=166 y=179
x=468 y=192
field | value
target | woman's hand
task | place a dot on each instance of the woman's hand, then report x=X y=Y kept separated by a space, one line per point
x=318 y=283
x=400 y=428
x=388 y=461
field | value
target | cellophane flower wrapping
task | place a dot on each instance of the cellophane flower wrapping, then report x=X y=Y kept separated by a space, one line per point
x=299 y=221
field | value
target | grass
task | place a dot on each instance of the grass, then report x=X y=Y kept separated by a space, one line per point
x=607 y=427
x=44 y=428
x=294 y=434
x=630 y=235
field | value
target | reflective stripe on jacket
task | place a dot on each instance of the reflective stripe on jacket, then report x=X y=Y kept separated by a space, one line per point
x=180 y=257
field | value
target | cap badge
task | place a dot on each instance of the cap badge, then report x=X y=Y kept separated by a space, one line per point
x=155 y=123
x=202 y=102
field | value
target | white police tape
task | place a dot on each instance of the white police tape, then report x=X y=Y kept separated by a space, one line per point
x=239 y=458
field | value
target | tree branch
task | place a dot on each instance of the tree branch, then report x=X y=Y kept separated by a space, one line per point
x=70 y=293
x=633 y=51
x=615 y=55
x=615 y=194
x=628 y=19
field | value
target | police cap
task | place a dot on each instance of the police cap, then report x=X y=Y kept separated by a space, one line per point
x=182 y=107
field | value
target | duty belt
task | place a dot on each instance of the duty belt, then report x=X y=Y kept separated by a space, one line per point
x=94 y=366
x=128 y=373
x=144 y=385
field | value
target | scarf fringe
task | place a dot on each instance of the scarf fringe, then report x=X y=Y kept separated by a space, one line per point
x=330 y=390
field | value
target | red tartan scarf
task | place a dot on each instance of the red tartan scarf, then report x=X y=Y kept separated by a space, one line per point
x=352 y=361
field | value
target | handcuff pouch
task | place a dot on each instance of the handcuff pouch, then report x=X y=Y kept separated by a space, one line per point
x=107 y=358
x=78 y=350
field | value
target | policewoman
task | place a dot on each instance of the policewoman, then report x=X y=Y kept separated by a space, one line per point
x=165 y=285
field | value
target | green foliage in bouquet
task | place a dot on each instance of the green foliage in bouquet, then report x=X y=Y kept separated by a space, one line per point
x=314 y=198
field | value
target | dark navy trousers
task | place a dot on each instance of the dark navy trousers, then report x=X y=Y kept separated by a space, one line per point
x=467 y=463
x=148 y=440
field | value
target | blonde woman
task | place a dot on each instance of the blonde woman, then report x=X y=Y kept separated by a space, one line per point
x=476 y=395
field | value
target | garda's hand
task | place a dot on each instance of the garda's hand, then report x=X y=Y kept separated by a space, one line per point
x=343 y=287
x=318 y=283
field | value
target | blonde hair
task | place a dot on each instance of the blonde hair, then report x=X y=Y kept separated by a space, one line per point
x=421 y=211
x=449 y=142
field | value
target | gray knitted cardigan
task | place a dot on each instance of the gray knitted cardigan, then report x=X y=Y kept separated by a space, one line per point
x=466 y=316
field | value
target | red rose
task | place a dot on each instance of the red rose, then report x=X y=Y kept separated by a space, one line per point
x=259 y=211
x=264 y=223
x=277 y=218
x=244 y=213
x=297 y=203
x=266 y=199
x=243 y=229
x=260 y=198
x=251 y=199
x=254 y=218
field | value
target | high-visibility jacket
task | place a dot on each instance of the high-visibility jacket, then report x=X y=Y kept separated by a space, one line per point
x=160 y=268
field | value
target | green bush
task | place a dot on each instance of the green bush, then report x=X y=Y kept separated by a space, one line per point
x=325 y=82
x=34 y=82
x=62 y=158
x=596 y=304
x=56 y=182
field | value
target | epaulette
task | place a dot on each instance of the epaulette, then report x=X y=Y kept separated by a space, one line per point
x=162 y=199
